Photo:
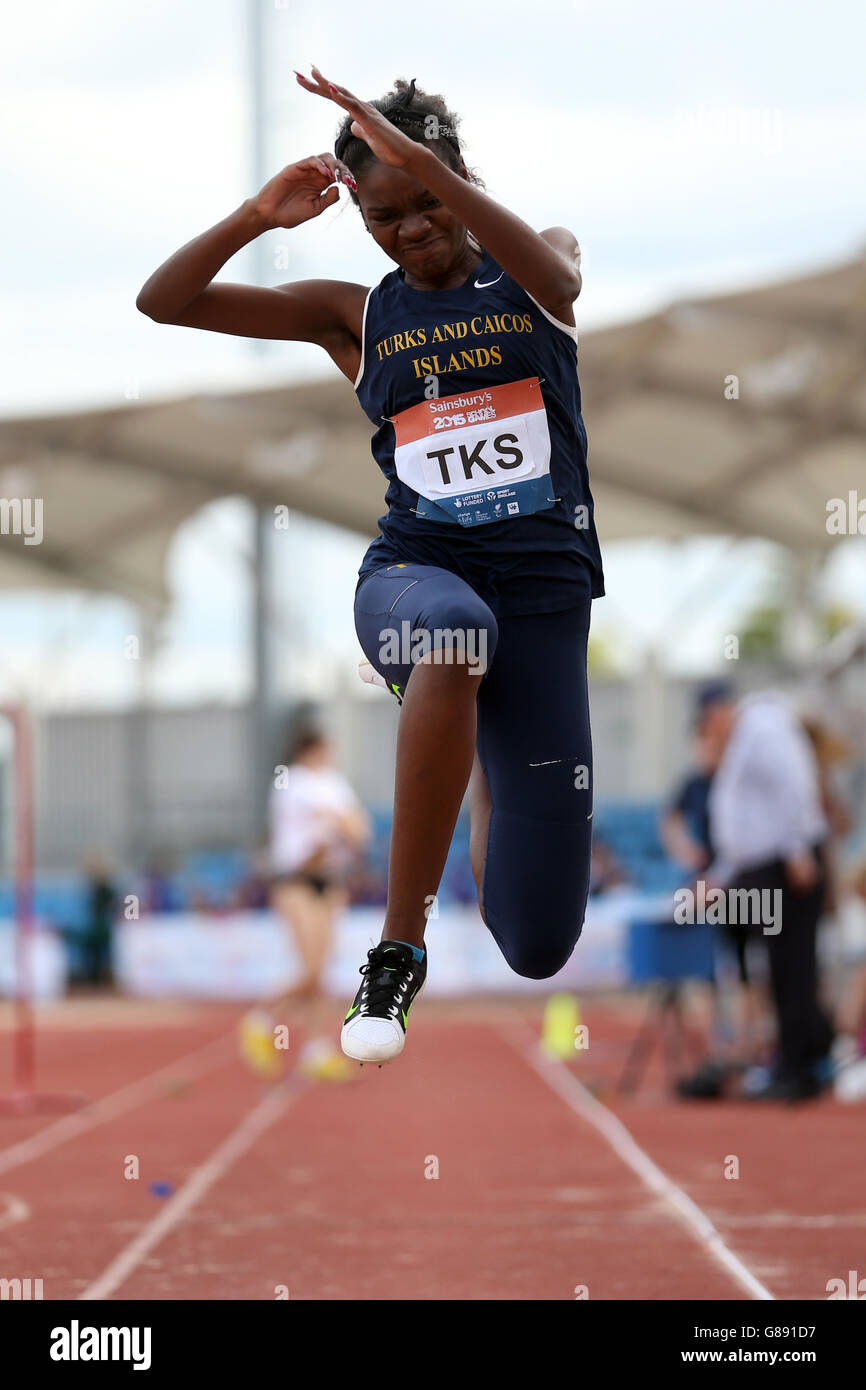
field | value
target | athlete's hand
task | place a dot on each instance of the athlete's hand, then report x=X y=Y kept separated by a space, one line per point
x=300 y=191
x=389 y=145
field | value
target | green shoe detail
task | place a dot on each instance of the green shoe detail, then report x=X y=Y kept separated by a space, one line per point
x=405 y=1012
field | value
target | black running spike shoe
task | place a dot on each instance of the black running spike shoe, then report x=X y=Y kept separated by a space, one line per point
x=375 y=1027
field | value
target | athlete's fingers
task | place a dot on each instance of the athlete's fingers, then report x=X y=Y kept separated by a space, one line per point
x=318 y=87
x=329 y=197
x=348 y=98
x=335 y=166
x=314 y=164
x=338 y=172
x=322 y=80
x=310 y=86
x=317 y=84
x=347 y=177
x=354 y=105
x=341 y=95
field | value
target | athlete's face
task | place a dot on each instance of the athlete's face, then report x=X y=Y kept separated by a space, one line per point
x=410 y=224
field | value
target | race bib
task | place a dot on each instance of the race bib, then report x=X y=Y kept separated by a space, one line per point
x=477 y=457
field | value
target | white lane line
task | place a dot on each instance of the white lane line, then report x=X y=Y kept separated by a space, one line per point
x=194 y=1064
x=251 y=1127
x=15 y=1210
x=584 y=1104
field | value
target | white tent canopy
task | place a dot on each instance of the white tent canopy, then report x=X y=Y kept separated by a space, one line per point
x=676 y=447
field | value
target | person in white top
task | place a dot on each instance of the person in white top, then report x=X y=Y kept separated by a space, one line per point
x=317 y=828
x=768 y=829
x=765 y=801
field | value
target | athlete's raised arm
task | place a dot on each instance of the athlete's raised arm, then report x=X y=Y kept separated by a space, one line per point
x=566 y=244
x=328 y=312
x=545 y=264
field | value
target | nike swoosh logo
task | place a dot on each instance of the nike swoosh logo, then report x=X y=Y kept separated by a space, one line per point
x=482 y=284
x=354 y=1009
x=405 y=1012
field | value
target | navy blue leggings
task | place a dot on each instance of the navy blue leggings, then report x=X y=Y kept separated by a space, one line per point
x=533 y=743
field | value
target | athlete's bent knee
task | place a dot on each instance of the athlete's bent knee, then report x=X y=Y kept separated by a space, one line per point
x=536 y=881
x=539 y=960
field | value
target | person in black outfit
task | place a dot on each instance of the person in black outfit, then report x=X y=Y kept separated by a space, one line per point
x=769 y=834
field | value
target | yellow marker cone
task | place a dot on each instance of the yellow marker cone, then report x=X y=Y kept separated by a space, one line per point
x=561 y=1019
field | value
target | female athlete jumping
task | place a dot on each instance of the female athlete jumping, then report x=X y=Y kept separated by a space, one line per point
x=473 y=602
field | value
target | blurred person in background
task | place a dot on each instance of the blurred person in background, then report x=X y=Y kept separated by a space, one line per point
x=318 y=826
x=769 y=832
x=101 y=909
x=740 y=1016
x=850 y=1047
x=685 y=824
x=843 y=904
x=684 y=830
x=605 y=870
x=831 y=752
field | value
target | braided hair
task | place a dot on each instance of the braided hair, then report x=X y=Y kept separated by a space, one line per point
x=425 y=118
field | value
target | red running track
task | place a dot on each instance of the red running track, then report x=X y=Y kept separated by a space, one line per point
x=323 y=1191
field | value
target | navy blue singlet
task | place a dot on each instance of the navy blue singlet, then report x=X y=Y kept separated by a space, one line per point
x=475 y=400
